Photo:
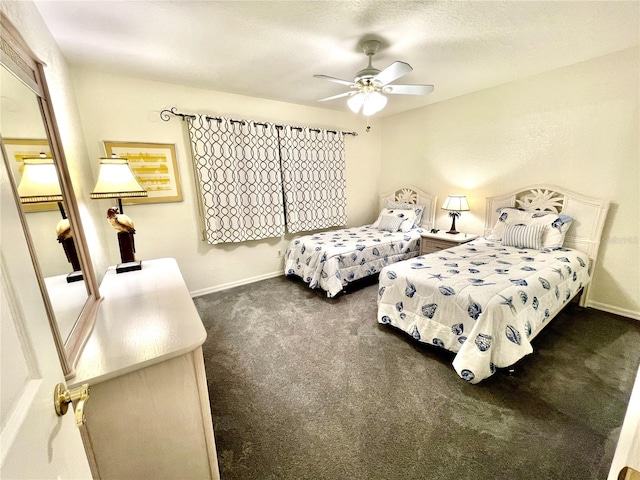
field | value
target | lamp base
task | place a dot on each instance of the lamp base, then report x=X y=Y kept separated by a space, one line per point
x=453 y=216
x=75 y=277
x=69 y=247
x=129 y=266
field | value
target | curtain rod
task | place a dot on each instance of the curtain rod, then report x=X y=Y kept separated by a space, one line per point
x=164 y=115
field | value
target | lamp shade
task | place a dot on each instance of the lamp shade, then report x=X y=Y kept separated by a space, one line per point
x=374 y=102
x=456 y=203
x=355 y=102
x=116 y=180
x=39 y=182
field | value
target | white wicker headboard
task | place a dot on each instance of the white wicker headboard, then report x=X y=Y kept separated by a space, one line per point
x=588 y=213
x=414 y=196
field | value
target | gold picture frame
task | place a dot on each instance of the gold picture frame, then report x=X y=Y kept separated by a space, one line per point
x=154 y=165
x=17 y=150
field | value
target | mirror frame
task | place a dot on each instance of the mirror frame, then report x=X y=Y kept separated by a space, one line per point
x=19 y=59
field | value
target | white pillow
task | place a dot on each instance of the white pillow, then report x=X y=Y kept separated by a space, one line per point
x=553 y=236
x=417 y=208
x=408 y=218
x=390 y=223
x=523 y=236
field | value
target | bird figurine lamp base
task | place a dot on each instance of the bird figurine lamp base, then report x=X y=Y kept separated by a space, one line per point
x=127 y=253
x=72 y=256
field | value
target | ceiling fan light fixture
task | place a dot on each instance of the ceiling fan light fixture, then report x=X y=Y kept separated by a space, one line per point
x=355 y=102
x=373 y=103
x=371 y=85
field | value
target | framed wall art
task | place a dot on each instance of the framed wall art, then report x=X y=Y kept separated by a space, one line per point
x=154 y=165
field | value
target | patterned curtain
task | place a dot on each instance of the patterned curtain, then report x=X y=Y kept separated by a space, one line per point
x=313 y=173
x=238 y=167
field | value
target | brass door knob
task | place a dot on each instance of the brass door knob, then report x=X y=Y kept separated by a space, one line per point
x=63 y=397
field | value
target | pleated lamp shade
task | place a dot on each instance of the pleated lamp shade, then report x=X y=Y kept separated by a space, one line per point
x=39 y=182
x=116 y=180
x=456 y=203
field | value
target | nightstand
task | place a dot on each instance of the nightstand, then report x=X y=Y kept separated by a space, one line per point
x=434 y=242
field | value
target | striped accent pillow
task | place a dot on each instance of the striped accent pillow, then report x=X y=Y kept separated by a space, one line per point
x=390 y=223
x=523 y=236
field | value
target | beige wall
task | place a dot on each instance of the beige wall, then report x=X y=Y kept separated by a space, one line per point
x=116 y=108
x=575 y=127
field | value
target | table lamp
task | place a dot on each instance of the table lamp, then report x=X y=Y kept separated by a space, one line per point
x=39 y=184
x=455 y=204
x=116 y=180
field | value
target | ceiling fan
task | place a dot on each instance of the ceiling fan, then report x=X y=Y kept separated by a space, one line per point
x=370 y=85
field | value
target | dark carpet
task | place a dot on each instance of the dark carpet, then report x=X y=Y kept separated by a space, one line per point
x=305 y=387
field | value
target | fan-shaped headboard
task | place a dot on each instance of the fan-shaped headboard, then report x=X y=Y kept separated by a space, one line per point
x=588 y=214
x=414 y=196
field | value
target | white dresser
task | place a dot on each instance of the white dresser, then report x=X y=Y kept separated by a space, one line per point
x=148 y=415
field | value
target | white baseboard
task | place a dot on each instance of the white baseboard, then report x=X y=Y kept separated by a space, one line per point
x=226 y=286
x=615 y=310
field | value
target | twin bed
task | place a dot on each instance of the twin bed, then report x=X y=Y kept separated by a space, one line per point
x=484 y=300
x=332 y=260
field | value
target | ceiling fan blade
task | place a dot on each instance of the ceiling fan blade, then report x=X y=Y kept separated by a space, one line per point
x=337 y=96
x=336 y=80
x=392 y=72
x=408 y=89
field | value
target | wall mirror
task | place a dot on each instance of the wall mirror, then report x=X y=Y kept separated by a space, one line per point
x=31 y=143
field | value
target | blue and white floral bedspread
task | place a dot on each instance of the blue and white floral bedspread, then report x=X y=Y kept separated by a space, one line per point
x=330 y=260
x=481 y=300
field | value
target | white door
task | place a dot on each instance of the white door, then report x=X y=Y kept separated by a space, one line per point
x=34 y=442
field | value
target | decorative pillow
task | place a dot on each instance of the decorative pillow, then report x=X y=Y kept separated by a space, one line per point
x=390 y=223
x=553 y=236
x=417 y=208
x=408 y=217
x=523 y=236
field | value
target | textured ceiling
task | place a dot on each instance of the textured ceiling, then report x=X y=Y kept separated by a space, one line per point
x=272 y=49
